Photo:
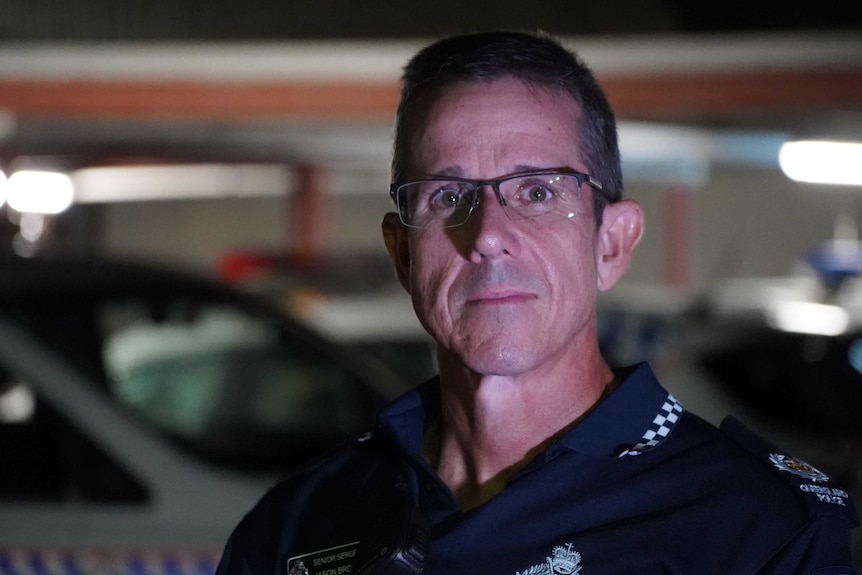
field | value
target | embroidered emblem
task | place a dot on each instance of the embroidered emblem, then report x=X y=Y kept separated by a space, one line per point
x=797 y=467
x=664 y=422
x=824 y=494
x=331 y=561
x=564 y=561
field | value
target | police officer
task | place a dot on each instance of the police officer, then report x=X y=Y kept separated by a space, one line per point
x=529 y=454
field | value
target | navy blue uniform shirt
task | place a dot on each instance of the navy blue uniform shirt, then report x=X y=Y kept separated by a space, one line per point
x=639 y=486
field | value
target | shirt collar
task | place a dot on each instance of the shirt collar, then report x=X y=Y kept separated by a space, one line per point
x=619 y=423
x=626 y=418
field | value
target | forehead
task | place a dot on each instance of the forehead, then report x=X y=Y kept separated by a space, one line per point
x=499 y=127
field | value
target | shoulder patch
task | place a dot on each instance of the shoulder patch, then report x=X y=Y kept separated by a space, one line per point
x=819 y=493
x=797 y=467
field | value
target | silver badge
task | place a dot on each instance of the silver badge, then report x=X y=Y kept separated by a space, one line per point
x=330 y=561
x=797 y=467
x=564 y=561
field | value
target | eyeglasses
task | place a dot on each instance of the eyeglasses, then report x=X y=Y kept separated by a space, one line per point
x=448 y=202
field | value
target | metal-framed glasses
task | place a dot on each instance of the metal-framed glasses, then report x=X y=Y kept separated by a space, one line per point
x=448 y=202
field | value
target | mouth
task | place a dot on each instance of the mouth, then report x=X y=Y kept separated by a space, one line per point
x=500 y=297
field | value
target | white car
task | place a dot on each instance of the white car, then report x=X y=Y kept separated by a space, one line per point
x=144 y=411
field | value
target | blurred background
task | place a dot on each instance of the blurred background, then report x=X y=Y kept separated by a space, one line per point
x=249 y=143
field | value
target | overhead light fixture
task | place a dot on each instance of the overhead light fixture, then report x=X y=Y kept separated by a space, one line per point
x=167 y=182
x=38 y=192
x=3 y=185
x=809 y=317
x=822 y=162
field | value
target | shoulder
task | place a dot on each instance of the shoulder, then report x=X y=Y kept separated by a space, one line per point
x=816 y=493
x=336 y=471
x=755 y=497
x=316 y=491
x=356 y=500
x=744 y=477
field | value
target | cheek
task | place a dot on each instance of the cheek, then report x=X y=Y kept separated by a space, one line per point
x=571 y=261
x=430 y=280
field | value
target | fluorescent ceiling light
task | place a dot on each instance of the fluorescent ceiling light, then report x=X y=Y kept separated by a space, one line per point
x=36 y=192
x=822 y=162
x=809 y=317
x=132 y=183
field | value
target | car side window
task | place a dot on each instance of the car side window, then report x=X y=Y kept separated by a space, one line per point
x=46 y=458
x=237 y=388
x=227 y=384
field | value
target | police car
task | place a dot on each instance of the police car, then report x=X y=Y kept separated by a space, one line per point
x=143 y=411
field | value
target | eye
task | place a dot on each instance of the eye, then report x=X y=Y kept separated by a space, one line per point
x=535 y=193
x=538 y=194
x=447 y=196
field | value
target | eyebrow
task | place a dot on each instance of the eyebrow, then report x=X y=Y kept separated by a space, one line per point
x=451 y=171
x=530 y=168
x=457 y=171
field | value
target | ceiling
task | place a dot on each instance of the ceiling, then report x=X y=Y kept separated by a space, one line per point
x=138 y=82
x=271 y=20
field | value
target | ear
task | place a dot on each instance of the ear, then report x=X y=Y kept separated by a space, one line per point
x=395 y=238
x=621 y=230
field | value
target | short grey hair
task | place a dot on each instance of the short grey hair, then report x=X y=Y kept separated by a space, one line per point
x=535 y=58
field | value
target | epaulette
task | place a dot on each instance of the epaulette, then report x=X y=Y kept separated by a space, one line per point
x=817 y=491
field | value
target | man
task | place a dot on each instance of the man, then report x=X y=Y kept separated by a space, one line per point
x=530 y=454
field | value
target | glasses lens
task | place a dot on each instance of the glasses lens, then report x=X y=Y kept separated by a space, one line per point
x=535 y=195
x=435 y=203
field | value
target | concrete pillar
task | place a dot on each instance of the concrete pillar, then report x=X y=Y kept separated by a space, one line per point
x=677 y=220
x=309 y=229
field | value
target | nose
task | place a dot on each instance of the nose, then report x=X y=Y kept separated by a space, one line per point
x=489 y=231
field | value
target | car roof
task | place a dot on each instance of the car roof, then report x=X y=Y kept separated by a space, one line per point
x=47 y=275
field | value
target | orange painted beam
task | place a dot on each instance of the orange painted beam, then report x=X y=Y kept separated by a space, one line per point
x=197 y=101
x=672 y=95
x=717 y=94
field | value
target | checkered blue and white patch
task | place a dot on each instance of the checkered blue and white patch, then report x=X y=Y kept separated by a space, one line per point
x=664 y=422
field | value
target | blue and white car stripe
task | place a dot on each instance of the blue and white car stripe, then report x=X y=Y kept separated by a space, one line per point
x=105 y=562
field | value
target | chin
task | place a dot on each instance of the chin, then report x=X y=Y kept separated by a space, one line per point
x=504 y=362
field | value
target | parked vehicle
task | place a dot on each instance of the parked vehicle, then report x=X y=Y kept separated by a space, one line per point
x=351 y=298
x=144 y=410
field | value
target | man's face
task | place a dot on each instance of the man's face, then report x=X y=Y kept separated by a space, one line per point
x=505 y=297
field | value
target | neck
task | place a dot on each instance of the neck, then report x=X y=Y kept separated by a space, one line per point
x=492 y=426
